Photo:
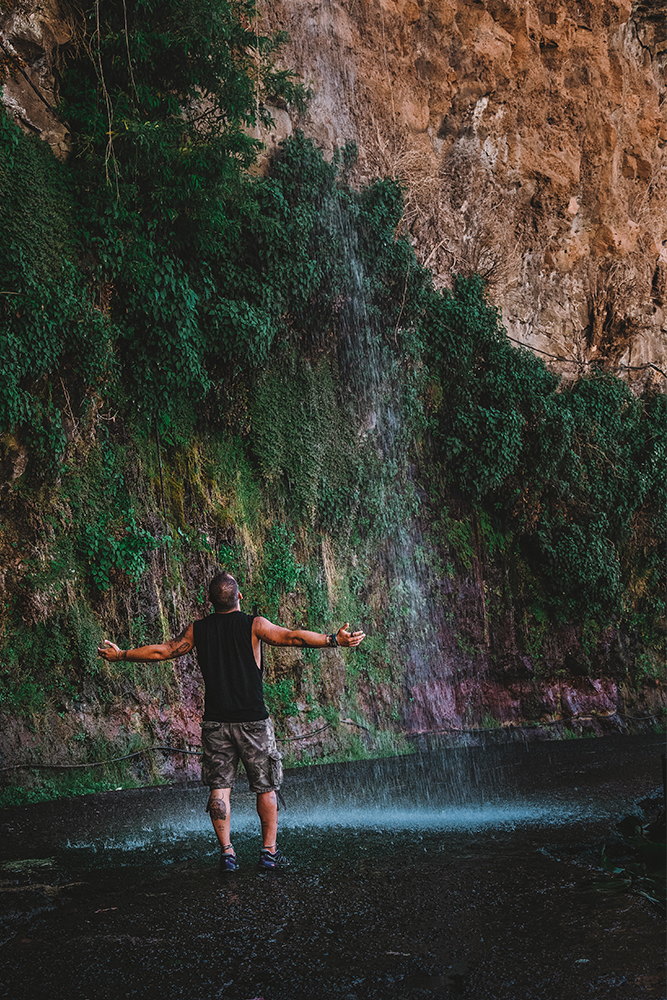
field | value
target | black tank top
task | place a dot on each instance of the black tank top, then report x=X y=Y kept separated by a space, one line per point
x=226 y=659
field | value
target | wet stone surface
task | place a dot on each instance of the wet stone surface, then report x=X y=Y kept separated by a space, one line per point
x=412 y=878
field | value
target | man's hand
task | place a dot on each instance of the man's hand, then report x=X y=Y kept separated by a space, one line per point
x=275 y=635
x=349 y=639
x=110 y=651
x=179 y=646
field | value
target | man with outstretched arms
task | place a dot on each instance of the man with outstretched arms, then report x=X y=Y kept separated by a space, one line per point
x=236 y=723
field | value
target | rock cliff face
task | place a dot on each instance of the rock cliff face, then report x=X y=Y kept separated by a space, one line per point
x=531 y=146
x=531 y=142
x=32 y=36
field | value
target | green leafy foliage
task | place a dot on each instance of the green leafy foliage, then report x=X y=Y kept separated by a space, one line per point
x=163 y=103
x=54 y=348
x=282 y=571
x=302 y=436
x=47 y=660
x=279 y=698
x=569 y=470
x=115 y=268
x=105 y=552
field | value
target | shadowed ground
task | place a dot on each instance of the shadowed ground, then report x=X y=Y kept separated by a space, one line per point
x=453 y=873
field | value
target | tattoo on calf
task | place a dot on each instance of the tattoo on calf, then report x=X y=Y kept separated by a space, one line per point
x=217 y=809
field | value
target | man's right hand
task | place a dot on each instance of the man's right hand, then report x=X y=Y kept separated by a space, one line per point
x=275 y=635
x=349 y=639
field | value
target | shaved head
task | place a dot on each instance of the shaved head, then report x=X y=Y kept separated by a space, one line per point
x=224 y=592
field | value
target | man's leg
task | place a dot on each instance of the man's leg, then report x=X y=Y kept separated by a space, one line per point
x=257 y=747
x=267 y=810
x=218 y=810
x=218 y=770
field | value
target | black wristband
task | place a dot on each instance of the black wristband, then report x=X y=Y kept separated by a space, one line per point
x=333 y=641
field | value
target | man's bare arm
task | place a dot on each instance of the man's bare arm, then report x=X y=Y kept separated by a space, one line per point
x=275 y=635
x=178 y=646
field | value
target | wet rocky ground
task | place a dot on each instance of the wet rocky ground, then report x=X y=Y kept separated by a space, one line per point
x=453 y=873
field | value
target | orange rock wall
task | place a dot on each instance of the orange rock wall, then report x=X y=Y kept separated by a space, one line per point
x=530 y=138
x=531 y=141
x=33 y=33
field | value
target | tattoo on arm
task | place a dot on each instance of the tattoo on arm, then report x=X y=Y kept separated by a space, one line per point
x=181 y=644
x=298 y=641
x=123 y=655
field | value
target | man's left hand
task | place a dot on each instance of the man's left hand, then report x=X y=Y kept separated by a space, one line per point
x=109 y=651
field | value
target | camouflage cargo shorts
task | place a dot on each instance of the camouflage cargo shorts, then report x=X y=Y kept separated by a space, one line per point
x=225 y=743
